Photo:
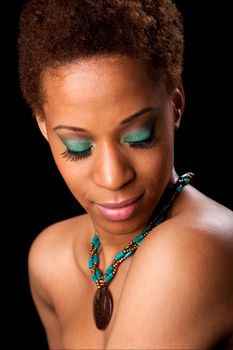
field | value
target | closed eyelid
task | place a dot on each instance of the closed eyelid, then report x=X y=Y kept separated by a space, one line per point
x=77 y=145
x=135 y=135
x=139 y=134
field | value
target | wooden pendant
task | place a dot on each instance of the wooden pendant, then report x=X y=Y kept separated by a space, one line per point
x=102 y=308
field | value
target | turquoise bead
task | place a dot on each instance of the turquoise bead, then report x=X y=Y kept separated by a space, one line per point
x=160 y=220
x=139 y=238
x=96 y=242
x=109 y=269
x=94 y=278
x=90 y=263
x=165 y=208
x=119 y=256
x=108 y=278
x=98 y=273
x=97 y=245
x=95 y=259
x=146 y=229
x=95 y=239
x=129 y=253
x=179 y=188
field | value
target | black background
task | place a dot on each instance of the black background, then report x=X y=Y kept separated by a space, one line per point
x=35 y=193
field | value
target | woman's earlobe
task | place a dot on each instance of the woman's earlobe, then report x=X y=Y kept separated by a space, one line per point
x=178 y=105
x=177 y=118
x=41 y=121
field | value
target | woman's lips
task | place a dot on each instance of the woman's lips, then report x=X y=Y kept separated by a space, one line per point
x=119 y=211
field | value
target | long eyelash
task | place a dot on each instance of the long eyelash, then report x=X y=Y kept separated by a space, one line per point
x=74 y=156
x=71 y=155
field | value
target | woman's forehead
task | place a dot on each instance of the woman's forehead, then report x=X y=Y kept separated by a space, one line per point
x=107 y=79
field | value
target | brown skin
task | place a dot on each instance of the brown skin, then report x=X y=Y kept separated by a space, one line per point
x=177 y=289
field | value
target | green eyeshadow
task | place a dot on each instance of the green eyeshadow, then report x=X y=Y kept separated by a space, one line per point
x=75 y=145
x=139 y=135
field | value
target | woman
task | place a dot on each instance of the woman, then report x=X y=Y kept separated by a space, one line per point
x=103 y=79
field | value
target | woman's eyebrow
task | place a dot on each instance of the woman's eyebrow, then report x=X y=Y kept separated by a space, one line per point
x=138 y=114
x=68 y=127
x=127 y=120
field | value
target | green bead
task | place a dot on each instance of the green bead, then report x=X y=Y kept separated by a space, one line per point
x=119 y=256
x=139 y=238
x=95 y=238
x=97 y=245
x=179 y=188
x=95 y=259
x=129 y=253
x=90 y=263
x=108 y=278
x=165 y=208
x=109 y=269
x=95 y=241
x=94 y=278
x=98 y=273
x=160 y=220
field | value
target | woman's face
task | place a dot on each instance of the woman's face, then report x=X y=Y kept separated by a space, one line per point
x=111 y=133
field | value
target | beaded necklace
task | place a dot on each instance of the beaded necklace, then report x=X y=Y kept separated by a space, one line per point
x=103 y=302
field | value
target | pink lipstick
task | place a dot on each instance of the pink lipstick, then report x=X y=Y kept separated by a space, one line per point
x=119 y=211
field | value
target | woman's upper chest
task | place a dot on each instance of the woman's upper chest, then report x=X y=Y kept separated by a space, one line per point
x=73 y=304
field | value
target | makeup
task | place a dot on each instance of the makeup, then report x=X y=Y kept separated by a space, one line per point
x=119 y=211
x=141 y=134
x=77 y=148
x=142 y=137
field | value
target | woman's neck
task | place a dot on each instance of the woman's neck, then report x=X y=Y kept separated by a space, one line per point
x=112 y=243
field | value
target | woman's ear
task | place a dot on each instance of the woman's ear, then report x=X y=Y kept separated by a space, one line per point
x=178 y=101
x=41 y=121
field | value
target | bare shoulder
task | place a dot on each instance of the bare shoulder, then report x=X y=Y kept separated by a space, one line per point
x=60 y=232
x=197 y=240
x=197 y=219
x=199 y=232
x=52 y=250
x=57 y=237
x=180 y=282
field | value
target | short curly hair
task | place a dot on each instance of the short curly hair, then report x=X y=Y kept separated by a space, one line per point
x=57 y=32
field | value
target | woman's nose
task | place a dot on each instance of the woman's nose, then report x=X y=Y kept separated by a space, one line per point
x=113 y=169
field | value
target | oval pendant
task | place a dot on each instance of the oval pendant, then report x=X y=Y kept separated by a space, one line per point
x=102 y=308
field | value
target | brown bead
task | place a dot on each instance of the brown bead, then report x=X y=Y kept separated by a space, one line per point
x=102 y=308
